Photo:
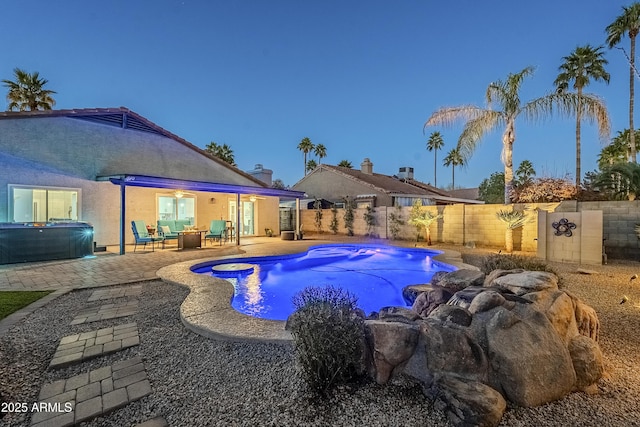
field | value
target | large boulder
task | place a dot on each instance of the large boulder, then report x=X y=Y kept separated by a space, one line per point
x=446 y=348
x=398 y=314
x=468 y=403
x=411 y=292
x=559 y=309
x=530 y=365
x=588 y=362
x=528 y=281
x=459 y=279
x=430 y=299
x=391 y=343
x=451 y=313
x=488 y=280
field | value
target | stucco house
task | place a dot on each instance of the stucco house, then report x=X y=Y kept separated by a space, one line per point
x=111 y=166
x=368 y=188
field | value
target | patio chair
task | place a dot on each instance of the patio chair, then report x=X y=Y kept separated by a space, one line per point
x=217 y=230
x=142 y=236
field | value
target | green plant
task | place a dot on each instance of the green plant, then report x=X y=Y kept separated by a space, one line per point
x=422 y=219
x=369 y=219
x=348 y=216
x=317 y=205
x=512 y=262
x=334 y=220
x=395 y=221
x=328 y=336
x=512 y=219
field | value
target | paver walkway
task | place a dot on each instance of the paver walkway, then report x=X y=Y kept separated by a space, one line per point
x=106 y=311
x=91 y=394
x=87 y=345
x=111 y=293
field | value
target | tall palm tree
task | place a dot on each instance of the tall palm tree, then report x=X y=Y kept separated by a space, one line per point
x=223 y=152
x=27 y=92
x=629 y=23
x=345 y=164
x=306 y=146
x=320 y=151
x=618 y=150
x=506 y=97
x=453 y=159
x=311 y=165
x=524 y=172
x=582 y=65
x=434 y=144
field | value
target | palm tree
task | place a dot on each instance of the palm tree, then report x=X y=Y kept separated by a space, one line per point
x=505 y=95
x=306 y=146
x=512 y=219
x=223 y=152
x=345 y=164
x=618 y=150
x=27 y=92
x=583 y=64
x=629 y=23
x=311 y=165
x=453 y=159
x=622 y=180
x=320 y=151
x=434 y=144
x=524 y=172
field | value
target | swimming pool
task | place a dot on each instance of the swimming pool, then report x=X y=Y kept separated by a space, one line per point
x=376 y=274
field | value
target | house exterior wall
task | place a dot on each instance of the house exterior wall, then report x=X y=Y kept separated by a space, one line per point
x=71 y=153
x=323 y=183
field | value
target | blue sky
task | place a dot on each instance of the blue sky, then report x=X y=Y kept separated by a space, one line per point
x=359 y=77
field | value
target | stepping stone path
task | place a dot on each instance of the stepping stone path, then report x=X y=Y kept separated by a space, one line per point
x=93 y=393
x=87 y=345
x=68 y=402
x=107 y=311
x=100 y=294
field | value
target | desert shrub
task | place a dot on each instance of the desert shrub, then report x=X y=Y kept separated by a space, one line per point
x=328 y=336
x=334 y=220
x=511 y=262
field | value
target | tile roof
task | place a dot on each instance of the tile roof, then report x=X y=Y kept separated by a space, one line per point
x=389 y=184
x=124 y=118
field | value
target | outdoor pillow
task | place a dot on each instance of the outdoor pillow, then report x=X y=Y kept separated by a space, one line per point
x=166 y=229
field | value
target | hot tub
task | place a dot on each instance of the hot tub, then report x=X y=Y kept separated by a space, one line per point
x=44 y=241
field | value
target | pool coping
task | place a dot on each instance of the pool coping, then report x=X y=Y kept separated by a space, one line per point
x=207 y=309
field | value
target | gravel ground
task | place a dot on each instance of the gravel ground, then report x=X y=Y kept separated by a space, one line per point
x=201 y=382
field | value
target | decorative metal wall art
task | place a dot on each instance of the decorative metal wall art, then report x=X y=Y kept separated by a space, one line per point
x=563 y=227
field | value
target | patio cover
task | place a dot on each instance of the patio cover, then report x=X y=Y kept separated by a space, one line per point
x=178 y=184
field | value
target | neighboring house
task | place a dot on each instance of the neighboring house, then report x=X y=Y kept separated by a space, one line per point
x=62 y=165
x=466 y=193
x=367 y=188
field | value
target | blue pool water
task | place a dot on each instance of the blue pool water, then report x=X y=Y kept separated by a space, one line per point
x=375 y=274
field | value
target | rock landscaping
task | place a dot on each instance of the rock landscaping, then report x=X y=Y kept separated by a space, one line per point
x=476 y=342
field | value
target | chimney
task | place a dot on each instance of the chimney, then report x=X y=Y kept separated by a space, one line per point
x=405 y=173
x=262 y=174
x=366 y=166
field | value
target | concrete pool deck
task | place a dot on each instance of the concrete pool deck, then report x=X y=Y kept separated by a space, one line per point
x=207 y=309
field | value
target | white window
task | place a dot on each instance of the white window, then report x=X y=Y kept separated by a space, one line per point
x=42 y=204
x=172 y=208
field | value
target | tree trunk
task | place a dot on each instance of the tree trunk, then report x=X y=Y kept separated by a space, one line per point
x=507 y=158
x=508 y=240
x=578 y=149
x=632 y=136
x=428 y=231
x=435 y=166
x=453 y=176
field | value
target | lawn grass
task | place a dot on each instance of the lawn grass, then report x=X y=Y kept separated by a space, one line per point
x=11 y=301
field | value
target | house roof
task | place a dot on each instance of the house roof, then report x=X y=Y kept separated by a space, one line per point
x=123 y=118
x=386 y=183
x=391 y=185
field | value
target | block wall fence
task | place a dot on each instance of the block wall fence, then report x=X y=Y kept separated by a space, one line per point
x=478 y=225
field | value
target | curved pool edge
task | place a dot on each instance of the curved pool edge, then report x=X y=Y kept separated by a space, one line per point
x=207 y=309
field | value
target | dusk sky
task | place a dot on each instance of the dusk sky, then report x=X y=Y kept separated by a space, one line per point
x=359 y=77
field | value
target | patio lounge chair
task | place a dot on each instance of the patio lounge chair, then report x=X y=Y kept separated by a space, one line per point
x=217 y=230
x=141 y=235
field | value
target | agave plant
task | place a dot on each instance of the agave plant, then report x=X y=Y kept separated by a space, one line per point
x=513 y=219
